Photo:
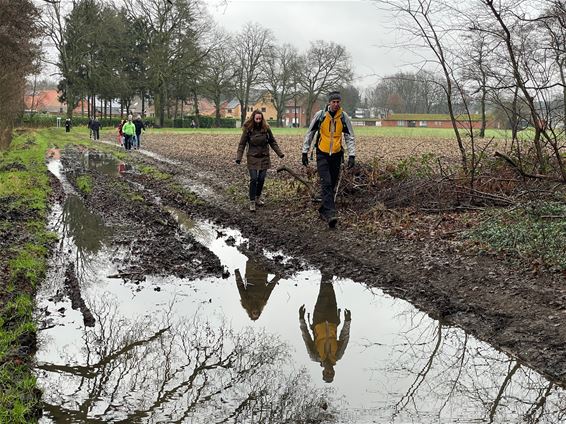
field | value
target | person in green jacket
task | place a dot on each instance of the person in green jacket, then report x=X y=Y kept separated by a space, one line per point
x=129 y=131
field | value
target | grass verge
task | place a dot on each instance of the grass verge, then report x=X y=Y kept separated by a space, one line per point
x=535 y=232
x=24 y=251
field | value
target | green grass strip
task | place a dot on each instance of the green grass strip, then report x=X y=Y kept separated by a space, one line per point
x=24 y=196
x=535 y=231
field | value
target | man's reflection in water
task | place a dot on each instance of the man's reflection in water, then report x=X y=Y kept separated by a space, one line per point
x=255 y=289
x=325 y=348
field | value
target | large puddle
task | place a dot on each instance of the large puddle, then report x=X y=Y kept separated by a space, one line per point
x=170 y=350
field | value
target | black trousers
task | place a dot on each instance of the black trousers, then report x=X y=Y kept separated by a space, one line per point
x=96 y=134
x=128 y=142
x=329 y=171
x=257 y=178
x=326 y=308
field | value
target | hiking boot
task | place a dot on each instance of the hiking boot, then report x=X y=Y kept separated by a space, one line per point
x=259 y=202
x=332 y=221
x=252 y=206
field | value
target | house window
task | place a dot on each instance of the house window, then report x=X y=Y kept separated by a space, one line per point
x=271 y=118
x=400 y=123
x=263 y=109
x=423 y=124
x=229 y=110
x=287 y=110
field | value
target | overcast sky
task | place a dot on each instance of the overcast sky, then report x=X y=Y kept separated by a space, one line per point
x=367 y=32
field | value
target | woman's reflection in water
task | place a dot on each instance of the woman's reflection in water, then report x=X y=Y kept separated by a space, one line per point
x=254 y=289
x=324 y=347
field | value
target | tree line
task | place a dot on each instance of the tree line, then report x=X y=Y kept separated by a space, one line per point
x=168 y=53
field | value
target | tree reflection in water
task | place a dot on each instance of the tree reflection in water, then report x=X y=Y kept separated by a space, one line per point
x=158 y=370
x=447 y=374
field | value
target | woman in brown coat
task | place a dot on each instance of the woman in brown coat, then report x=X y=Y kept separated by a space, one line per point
x=258 y=137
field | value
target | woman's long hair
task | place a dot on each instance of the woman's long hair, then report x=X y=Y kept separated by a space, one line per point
x=249 y=124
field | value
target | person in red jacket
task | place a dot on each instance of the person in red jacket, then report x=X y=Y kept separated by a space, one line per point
x=120 y=133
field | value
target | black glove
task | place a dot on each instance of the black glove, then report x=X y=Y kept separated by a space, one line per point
x=238 y=161
x=305 y=159
x=282 y=156
x=347 y=315
x=351 y=161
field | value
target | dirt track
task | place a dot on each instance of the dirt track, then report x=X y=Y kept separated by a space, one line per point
x=501 y=303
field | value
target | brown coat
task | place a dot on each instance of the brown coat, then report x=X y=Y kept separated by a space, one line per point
x=258 y=143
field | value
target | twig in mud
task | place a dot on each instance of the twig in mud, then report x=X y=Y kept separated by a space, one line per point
x=298 y=178
x=520 y=170
x=125 y=274
x=338 y=183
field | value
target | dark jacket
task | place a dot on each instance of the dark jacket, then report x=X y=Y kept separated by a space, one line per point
x=258 y=142
x=139 y=126
x=95 y=125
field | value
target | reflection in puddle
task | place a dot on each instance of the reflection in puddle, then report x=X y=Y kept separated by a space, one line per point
x=254 y=288
x=156 y=369
x=244 y=349
x=103 y=163
x=324 y=346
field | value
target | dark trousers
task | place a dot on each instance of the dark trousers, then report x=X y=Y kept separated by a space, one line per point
x=329 y=171
x=326 y=308
x=127 y=142
x=96 y=134
x=257 y=178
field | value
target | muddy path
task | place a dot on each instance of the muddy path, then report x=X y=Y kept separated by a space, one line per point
x=499 y=301
x=167 y=298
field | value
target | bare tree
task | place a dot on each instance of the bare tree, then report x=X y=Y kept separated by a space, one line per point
x=426 y=22
x=219 y=73
x=476 y=61
x=281 y=66
x=410 y=92
x=324 y=67
x=250 y=47
x=18 y=50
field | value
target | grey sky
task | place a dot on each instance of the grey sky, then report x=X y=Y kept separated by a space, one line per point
x=366 y=32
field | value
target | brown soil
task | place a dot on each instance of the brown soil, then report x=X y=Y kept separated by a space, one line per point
x=416 y=257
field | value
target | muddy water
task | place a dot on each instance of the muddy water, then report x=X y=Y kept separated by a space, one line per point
x=233 y=349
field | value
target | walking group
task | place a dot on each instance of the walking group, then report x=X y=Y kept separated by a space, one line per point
x=330 y=130
x=130 y=131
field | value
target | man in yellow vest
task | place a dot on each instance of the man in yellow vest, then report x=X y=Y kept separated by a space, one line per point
x=324 y=347
x=333 y=129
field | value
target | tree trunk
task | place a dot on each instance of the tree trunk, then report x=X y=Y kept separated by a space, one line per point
x=308 y=112
x=197 y=111
x=243 y=112
x=483 y=113
x=5 y=135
